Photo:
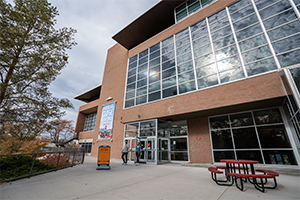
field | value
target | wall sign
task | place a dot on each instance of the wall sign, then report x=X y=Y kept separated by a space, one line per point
x=106 y=123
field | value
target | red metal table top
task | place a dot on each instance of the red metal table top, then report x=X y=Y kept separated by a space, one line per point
x=234 y=161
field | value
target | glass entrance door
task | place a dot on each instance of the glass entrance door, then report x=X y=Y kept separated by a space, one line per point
x=131 y=151
x=147 y=150
x=163 y=150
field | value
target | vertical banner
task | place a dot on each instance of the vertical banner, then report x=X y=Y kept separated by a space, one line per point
x=106 y=123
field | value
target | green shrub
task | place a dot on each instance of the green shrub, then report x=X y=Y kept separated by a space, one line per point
x=20 y=165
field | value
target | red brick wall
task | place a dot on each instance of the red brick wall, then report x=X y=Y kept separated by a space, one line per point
x=113 y=85
x=199 y=141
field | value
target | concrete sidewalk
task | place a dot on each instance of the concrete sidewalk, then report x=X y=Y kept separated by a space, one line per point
x=139 y=182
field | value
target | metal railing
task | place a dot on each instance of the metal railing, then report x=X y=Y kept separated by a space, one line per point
x=70 y=157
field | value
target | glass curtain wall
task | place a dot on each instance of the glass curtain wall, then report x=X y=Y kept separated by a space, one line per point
x=256 y=135
x=245 y=39
x=90 y=122
x=189 y=7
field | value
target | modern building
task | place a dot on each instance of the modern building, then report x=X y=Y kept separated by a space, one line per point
x=201 y=80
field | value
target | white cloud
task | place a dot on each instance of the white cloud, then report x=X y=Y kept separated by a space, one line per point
x=96 y=21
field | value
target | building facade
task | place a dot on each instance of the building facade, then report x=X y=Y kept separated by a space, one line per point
x=201 y=80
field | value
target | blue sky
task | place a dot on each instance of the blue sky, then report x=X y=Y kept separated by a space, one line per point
x=96 y=21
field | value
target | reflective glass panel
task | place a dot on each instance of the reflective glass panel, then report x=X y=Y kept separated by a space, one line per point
x=199 y=33
x=182 y=34
x=132 y=59
x=219 y=122
x=207 y=81
x=131 y=72
x=154 y=55
x=284 y=31
x=169 y=82
x=185 y=67
x=226 y=41
x=221 y=139
x=130 y=95
x=274 y=9
x=296 y=76
x=143 y=60
x=219 y=24
x=252 y=42
x=182 y=41
x=219 y=155
x=141 y=91
x=178 y=144
x=207 y=70
x=142 y=75
x=242 y=13
x=280 y=157
x=251 y=19
x=132 y=65
x=142 y=67
x=154 y=96
x=257 y=54
x=183 y=58
x=221 y=33
x=198 y=25
x=154 y=87
x=154 y=70
x=154 y=47
x=183 y=49
x=170 y=92
x=269 y=116
x=287 y=44
x=282 y=18
x=186 y=77
x=167 y=48
x=130 y=87
x=131 y=79
x=226 y=52
x=288 y=59
x=142 y=83
x=154 y=78
x=187 y=87
x=245 y=138
x=249 y=155
x=229 y=63
x=168 y=56
x=168 y=73
x=261 y=67
x=273 y=137
x=141 y=100
x=238 y=5
x=143 y=53
x=202 y=50
x=129 y=103
x=243 y=119
x=232 y=75
x=168 y=64
x=205 y=60
x=249 y=31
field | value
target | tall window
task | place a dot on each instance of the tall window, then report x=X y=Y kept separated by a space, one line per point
x=255 y=135
x=189 y=7
x=90 y=122
x=245 y=39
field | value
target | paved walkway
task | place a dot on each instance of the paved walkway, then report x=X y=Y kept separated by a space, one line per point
x=139 y=182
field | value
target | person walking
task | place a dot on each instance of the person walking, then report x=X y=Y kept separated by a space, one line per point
x=137 y=153
x=125 y=152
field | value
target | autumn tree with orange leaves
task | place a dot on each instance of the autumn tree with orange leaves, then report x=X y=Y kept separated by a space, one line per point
x=60 y=130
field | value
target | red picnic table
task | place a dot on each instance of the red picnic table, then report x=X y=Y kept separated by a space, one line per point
x=239 y=169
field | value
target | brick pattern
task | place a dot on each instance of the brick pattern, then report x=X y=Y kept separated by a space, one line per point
x=199 y=141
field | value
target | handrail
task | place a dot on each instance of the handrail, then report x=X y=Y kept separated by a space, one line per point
x=72 y=154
